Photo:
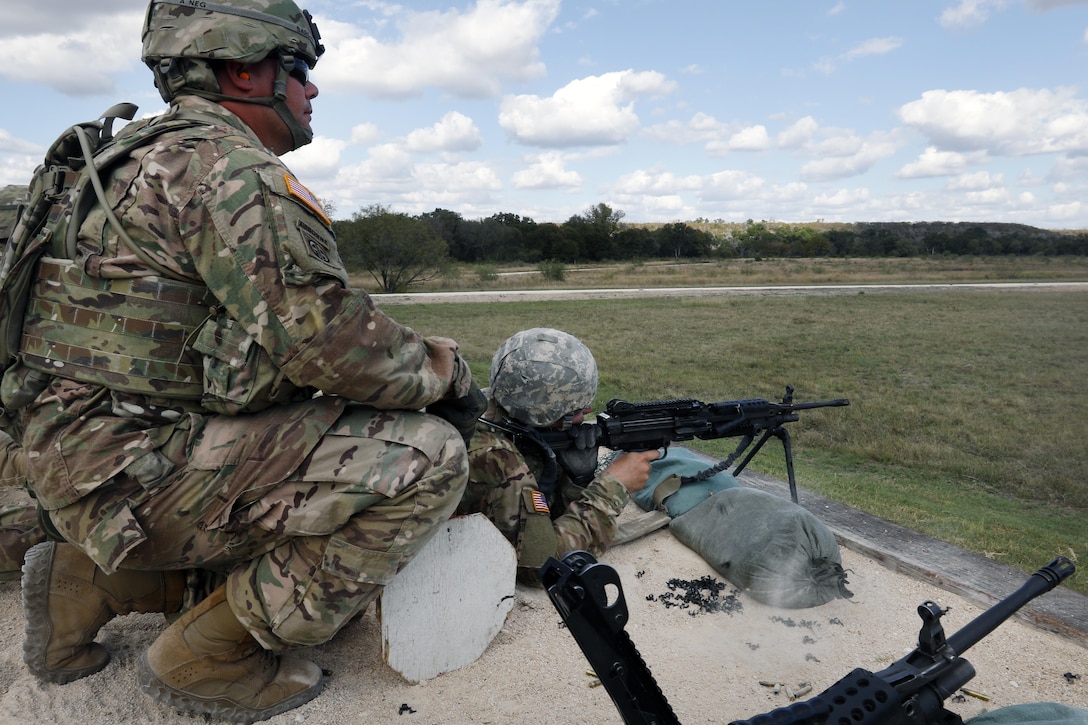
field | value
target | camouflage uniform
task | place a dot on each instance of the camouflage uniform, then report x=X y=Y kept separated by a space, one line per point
x=19 y=529
x=539 y=378
x=308 y=503
x=503 y=485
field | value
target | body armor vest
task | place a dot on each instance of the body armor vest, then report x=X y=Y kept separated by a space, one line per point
x=132 y=334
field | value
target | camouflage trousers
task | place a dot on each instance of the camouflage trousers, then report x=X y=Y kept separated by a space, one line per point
x=19 y=529
x=303 y=553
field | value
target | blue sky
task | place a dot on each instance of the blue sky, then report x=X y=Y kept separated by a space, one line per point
x=666 y=110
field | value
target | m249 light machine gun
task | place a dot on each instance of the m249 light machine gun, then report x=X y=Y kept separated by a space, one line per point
x=911 y=691
x=644 y=426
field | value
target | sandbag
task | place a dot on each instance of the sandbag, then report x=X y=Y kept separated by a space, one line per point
x=665 y=491
x=1051 y=713
x=768 y=547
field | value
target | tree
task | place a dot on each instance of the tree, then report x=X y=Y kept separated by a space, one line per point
x=636 y=243
x=599 y=229
x=396 y=249
x=681 y=240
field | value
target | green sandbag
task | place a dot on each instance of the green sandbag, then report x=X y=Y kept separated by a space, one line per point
x=768 y=547
x=666 y=474
x=1051 y=713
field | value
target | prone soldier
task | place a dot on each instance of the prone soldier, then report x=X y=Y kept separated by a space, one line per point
x=546 y=504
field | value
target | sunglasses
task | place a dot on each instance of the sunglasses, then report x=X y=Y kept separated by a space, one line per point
x=300 y=71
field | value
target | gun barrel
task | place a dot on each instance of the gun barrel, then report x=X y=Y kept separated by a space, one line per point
x=1037 y=584
x=835 y=403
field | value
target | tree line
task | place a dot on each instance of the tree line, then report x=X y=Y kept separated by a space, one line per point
x=399 y=250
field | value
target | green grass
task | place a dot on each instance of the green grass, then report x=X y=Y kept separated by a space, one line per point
x=737 y=272
x=968 y=415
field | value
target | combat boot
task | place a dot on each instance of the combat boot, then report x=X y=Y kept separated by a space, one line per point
x=207 y=663
x=67 y=599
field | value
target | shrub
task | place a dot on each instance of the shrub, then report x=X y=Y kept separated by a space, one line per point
x=553 y=270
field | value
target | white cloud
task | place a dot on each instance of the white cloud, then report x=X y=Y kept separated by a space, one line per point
x=469 y=53
x=753 y=138
x=547 y=171
x=873 y=46
x=799 y=134
x=976 y=181
x=598 y=110
x=701 y=128
x=1011 y=123
x=455 y=132
x=730 y=184
x=79 y=63
x=365 y=134
x=41 y=16
x=13 y=145
x=319 y=159
x=17 y=169
x=390 y=176
x=1045 y=5
x=970 y=13
x=842 y=198
x=655 y=182
x=849 y=155
x=934 y=162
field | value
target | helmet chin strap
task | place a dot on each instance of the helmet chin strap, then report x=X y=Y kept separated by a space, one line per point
x=300 y=135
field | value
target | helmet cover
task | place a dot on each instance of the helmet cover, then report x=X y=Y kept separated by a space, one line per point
x=540 y=375
x=242 y=30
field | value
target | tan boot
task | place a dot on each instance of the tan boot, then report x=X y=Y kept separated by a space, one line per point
x=67 y=599
x=206 y=662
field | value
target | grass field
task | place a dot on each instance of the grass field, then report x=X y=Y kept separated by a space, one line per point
x=692 y=273
x=968 y=414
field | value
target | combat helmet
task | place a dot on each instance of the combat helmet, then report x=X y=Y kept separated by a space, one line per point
x=538 y=376
x=180 y=37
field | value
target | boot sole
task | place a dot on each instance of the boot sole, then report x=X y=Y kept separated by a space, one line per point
x=218 y=708
x=38 y=630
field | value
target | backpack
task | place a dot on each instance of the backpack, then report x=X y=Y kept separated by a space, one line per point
x=63 y=189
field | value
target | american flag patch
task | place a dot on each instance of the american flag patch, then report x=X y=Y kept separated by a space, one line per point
x=540 y=504
x=304 y=195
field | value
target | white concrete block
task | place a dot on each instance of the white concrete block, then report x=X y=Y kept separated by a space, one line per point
x=443 y=609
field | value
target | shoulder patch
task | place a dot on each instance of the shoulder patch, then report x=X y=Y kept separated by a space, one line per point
x=540 y=503
x=304 y=195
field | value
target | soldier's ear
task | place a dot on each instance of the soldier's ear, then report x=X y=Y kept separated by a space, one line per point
x=235 y=79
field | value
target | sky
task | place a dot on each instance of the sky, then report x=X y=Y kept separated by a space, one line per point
x=665 y=110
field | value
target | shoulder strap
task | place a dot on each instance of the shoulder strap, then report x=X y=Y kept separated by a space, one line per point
x=116 y=148
x=62 y=191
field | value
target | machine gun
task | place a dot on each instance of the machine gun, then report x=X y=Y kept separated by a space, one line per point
x=625 y=426
x=909 y=692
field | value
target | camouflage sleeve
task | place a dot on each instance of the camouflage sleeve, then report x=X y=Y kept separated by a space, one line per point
x=589 y=520
x=263 y=245
x=503 y=486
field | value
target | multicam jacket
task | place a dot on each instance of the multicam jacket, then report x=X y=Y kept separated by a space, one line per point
x=503 y=486
x=210 y=206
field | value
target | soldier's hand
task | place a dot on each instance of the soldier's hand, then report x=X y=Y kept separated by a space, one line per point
x=462 y=413
x=633 y=469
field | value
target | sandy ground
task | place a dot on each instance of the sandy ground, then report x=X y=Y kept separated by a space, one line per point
x=708 y=664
